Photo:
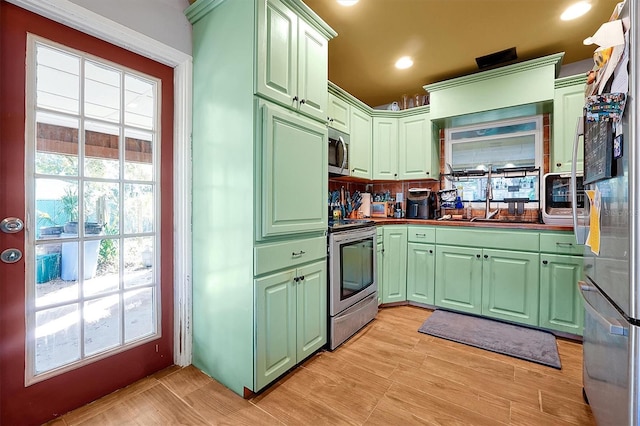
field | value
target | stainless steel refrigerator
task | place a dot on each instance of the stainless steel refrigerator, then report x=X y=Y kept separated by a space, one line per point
x=611 y=286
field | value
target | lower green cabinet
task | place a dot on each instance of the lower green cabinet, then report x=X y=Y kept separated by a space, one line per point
x=291 y=319
x=379 y=270
x=561 y=306
x=421 y=262
x=510 y=285
x=458 y=283
x=394 y=260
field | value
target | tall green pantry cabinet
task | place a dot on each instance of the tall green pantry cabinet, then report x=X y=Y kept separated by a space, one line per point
x=259 y=188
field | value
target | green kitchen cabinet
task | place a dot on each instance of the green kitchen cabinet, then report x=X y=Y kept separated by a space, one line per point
x=568 y=102
x=561 y=306
x=259 y=183
x=458 y=279
x=379 y=262
x=291 y=319
x=510 y=285
x=338 y=114
x=385 y=148
x=418 y=153
x=293 y=172
x=421 y=273
x=292 y=59
x=360 y=139
x=394 y=259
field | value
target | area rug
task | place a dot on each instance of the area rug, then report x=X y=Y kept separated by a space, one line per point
x=508 y=339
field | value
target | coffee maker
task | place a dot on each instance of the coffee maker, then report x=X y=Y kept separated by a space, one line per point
x=418 y=203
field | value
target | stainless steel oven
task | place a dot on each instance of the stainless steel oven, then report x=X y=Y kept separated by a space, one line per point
x=353 y=285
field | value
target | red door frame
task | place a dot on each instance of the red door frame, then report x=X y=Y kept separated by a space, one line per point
x=45 y=400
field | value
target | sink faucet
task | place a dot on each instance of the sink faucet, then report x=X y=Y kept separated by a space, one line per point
x=488 y=214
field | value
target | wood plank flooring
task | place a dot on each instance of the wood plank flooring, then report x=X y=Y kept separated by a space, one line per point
x=387 y=374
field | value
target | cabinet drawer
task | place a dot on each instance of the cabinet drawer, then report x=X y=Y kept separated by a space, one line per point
x=494 y=239
x=274 y=256
x=421 y=234
x=560 y=244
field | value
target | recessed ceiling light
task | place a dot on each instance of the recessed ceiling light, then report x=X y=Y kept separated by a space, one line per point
x=575 y=10
x=347 y=2
x=404 y=62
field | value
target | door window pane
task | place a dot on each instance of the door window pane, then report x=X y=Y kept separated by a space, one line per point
x=95 y=285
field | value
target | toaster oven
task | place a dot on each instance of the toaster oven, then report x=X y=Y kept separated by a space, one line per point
x=556 y=201
x=382 y=209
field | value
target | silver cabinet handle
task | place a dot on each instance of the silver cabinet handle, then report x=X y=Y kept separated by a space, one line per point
x=297 y=254
x=613 y=326
x=421 y=235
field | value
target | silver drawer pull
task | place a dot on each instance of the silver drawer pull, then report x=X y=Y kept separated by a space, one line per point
x=421 y=235
x=564 y=244
x=298 y=254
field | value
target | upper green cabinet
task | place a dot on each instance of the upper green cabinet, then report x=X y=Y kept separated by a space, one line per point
x=338 y=114
x=360 y=144
x=292 y=60
x=417 y=151
x=567 y=109
x=293 y=170
x=385 y=148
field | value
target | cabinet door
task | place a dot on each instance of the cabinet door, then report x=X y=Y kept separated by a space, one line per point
x=561 y=305
x=360 y=144
x=416 y=148
x=567 y=108
x=294 y=173
x=311 y=309
x=380 y=270
x=510 y=285
x=275 y=327
x=277 y=64
x=395 y=264
x=458 y=283
x=339 y=113
x=385 y=148
x=313 y=71
x=421 y=273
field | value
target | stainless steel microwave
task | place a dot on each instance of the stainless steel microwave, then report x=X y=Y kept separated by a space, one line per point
x=338 y=153
x=556 y=201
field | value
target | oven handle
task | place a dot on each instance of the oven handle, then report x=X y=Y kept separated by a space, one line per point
x=579 y=231
x=614 y=327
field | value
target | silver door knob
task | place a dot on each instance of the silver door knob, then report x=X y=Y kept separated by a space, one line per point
x=11 y=225
x=11 y=255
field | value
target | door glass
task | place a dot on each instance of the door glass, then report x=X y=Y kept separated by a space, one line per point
x=95 y=286
x=356 y=259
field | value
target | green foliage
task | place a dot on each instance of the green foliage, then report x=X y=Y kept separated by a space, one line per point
x=69 y=204
x=108 y=254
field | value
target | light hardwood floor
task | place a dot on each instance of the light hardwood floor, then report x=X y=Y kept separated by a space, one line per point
x=388 y=374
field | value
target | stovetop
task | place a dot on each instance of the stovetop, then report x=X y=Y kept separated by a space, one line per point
x=344 y=224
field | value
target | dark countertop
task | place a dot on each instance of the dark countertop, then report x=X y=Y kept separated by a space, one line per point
x=466 y=223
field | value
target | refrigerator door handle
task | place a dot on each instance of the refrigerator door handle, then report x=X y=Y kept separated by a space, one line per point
x=613 y=326
x=580 y=232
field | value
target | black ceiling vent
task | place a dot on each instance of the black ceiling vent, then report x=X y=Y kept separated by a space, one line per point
x=497 y=58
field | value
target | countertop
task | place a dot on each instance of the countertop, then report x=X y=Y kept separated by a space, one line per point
x=466 y=223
